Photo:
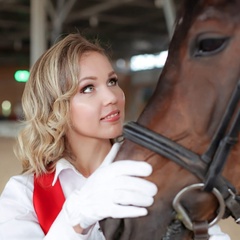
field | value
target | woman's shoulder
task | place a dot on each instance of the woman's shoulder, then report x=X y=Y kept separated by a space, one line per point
x=22 y=179
x=16 y=198
x=19 y=185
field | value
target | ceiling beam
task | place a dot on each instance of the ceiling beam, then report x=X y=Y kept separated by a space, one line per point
x=96 y=9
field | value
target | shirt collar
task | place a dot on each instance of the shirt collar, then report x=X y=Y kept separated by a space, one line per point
x=61 y=165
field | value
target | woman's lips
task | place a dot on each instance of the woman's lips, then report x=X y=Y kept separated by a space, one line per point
x=111 y=117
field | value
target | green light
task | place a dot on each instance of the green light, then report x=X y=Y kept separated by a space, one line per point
x=21 y=75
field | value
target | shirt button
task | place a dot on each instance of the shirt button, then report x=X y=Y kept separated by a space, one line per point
x=99 y=229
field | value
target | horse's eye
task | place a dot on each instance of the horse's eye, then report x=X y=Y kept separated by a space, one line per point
x=209 y=46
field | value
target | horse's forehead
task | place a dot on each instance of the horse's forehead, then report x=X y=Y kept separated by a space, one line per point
x=213 y=4
x=220 y=4
x=207 y=9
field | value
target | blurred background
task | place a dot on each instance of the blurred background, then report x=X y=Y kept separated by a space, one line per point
x=136 y=32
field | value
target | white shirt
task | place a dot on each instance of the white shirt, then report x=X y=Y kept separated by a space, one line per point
x=18 y=220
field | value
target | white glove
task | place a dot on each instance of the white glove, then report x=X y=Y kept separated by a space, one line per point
x=111 y=155
x=216 y=233
x=111 y=191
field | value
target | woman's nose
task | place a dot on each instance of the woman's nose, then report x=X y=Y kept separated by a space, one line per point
x=109 y=96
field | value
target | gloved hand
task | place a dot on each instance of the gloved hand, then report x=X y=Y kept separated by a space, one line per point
x=216 y=233
x=113 y=190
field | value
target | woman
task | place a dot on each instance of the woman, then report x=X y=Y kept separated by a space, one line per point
x=74 y=109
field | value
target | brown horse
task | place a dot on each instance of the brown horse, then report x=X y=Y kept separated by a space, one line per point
x=188 y=106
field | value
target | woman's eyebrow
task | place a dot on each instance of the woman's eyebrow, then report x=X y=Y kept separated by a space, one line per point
x=112 y=73
x=95 y=78
x=87 y=78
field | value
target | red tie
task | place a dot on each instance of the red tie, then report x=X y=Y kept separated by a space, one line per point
x=47 y=200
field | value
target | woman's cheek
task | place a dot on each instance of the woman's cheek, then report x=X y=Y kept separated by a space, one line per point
x=123 y=96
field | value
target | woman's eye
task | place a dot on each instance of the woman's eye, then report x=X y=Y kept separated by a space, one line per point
x=210 y=46
x=87 y=89
x=113 y=82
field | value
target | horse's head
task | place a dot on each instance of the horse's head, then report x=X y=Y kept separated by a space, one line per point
x=191 y=97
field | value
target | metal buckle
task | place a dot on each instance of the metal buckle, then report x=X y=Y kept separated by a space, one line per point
x=183 y=216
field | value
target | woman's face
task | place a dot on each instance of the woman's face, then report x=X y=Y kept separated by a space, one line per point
x=97 y=109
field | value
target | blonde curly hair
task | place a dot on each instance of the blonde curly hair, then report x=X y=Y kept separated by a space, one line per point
x=53 y=81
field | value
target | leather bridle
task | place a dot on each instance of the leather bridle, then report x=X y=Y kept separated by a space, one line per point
x=207 y=167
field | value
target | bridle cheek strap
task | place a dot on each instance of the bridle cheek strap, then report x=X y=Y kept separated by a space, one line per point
x=200 y=230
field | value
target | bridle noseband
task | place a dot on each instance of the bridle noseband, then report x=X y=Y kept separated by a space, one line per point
x=207 y=167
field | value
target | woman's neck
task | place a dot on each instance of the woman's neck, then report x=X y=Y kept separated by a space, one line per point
x=89 y=154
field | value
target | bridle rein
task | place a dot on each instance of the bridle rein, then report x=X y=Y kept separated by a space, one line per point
x=207 y=167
